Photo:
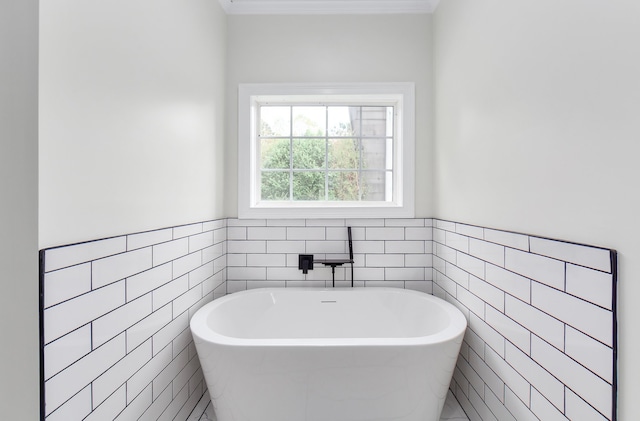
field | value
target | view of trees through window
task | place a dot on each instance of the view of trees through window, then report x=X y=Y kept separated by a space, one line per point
x=325 y=153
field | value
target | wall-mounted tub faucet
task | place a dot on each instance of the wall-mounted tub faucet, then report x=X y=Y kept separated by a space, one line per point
x=339 y=262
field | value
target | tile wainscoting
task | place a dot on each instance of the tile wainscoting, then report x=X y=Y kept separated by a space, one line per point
x=541 y=341
x=116 y=339
x=116 y=343
x=386 y=252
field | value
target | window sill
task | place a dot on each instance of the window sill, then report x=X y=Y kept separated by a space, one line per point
x=321 y=212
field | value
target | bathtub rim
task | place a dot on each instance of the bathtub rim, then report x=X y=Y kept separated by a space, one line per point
x=454 y=332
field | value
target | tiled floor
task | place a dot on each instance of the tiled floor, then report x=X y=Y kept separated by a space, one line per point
x=451 y=411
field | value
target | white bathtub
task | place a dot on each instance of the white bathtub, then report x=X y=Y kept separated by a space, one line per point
x=309 y=354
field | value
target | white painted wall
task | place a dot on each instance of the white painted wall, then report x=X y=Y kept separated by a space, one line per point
x=335 y=48
x=537 y=129
x=19 y=361
x=131 y=116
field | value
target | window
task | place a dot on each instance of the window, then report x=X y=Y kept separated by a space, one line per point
x=325 y=151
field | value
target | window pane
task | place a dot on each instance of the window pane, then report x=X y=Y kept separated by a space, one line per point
x=309 y=153
x=308 y=185
x=340 y=120
x=309 y=121
x=374 y=121
x=343 y=185
x=274 y=153
x=275 y=185
x=374 y=186
x=343 y=154
x=275 y=121
x=377 y=154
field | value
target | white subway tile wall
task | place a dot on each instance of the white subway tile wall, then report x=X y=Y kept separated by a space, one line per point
x=540 y=341
x=117 y=343
x=541 y=334
x=387 y=252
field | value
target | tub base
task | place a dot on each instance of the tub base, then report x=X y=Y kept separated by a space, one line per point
x=329 y=383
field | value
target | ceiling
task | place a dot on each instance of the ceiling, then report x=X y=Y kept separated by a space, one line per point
x=308 y=7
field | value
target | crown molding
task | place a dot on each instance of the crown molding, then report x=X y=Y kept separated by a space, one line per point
x=327 y=7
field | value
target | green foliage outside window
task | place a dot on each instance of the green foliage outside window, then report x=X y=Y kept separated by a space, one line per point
x=304 y=160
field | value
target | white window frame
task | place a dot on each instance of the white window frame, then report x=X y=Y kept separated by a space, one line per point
x=400 y=95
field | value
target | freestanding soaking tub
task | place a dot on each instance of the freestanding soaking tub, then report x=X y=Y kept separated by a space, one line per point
x=306 y=354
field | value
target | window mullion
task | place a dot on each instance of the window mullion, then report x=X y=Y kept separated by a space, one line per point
x=326 y=153
x=359 y=146
x=291 y=154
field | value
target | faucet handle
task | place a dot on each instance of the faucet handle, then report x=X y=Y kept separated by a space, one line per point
x=305 y=262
